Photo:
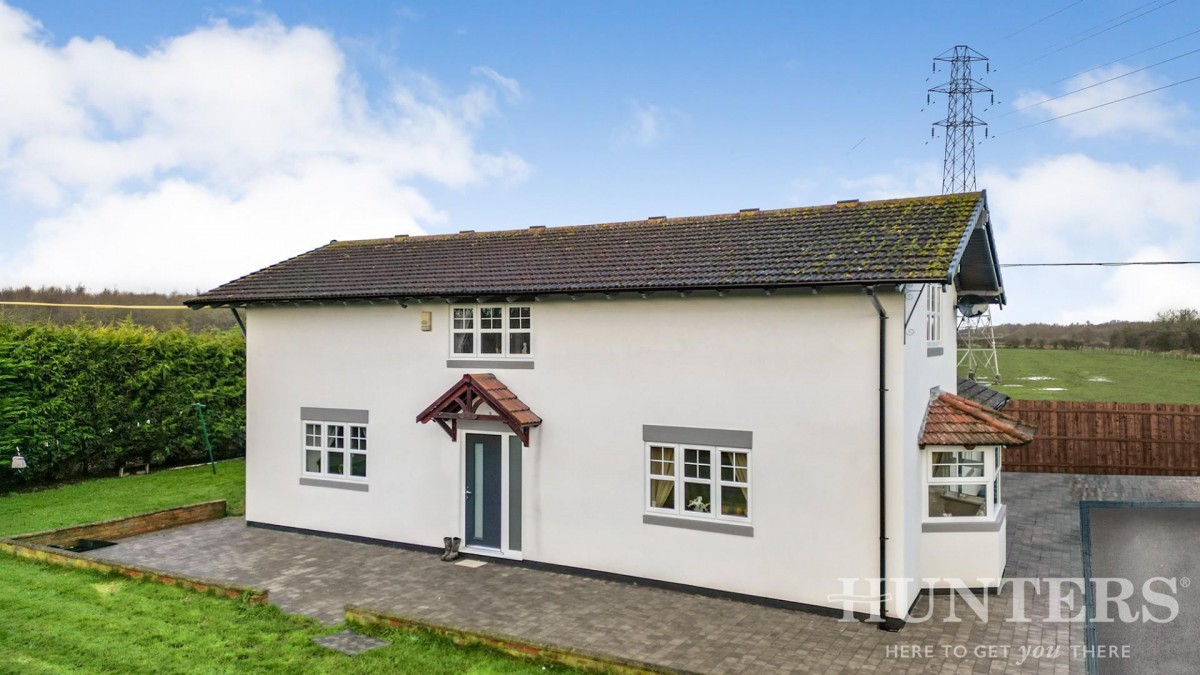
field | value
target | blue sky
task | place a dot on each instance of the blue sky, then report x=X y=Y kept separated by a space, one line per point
x=153 y=145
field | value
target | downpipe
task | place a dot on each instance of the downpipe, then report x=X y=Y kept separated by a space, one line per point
x=890 y=625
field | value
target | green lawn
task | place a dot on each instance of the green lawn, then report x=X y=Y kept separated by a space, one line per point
x=106 y=498
x=57 y=620
x=1098 y=375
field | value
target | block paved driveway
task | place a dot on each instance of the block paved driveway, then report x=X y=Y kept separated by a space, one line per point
x=318 y=576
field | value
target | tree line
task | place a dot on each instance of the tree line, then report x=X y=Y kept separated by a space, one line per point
x=1171 y=331
x=83 y=399
x=179 y=317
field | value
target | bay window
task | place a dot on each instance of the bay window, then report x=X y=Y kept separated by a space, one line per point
x=963 y=483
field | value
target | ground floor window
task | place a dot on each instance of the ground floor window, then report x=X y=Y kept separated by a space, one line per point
x=335 y=449
x=698 y=480
x=963 y=482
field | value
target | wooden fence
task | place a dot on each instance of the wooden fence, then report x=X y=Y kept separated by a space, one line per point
x=1138 y=439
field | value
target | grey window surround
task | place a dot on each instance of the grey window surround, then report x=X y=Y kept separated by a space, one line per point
x=725 y=438
x=338 y=484
x=972 y=526
x=514 y=493
x=718 y=527
x=335 y=415
x=934 y=351
x=498 y=364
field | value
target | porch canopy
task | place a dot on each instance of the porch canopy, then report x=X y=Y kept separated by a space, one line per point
x=954 y=420
x=462 y=402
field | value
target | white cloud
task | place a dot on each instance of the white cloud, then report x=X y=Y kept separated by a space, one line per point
x=905 y=180
x=1150 y=115
x=218 y=151
x=1073 y=208
x=510 y=87
x=645 y=126
x=1140 y=293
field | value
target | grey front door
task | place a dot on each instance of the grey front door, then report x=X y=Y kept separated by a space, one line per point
x=483 y=490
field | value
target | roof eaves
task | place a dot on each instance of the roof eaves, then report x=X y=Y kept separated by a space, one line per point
x=204 y=300
x=974 y=220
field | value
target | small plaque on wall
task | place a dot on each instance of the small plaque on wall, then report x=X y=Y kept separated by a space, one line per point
x=426 y=321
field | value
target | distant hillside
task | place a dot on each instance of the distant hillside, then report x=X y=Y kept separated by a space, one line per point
x=1176 y=330
x=195 y=321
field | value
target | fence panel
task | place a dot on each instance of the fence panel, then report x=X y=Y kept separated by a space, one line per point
x=1136 y=439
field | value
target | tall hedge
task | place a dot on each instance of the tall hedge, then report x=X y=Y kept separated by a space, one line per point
x=83 y=399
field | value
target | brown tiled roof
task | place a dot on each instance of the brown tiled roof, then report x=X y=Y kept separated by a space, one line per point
x=462 y=401
x=503 y=400
x=954 y=420
x=892 y=241
x=980 y=393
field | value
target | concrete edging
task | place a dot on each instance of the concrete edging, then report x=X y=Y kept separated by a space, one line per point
x=34 y=546
x=509 y=645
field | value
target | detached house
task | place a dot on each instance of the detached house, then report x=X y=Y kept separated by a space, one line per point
x=757 y=403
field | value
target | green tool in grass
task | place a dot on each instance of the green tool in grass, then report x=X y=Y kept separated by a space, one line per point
x=204 y=428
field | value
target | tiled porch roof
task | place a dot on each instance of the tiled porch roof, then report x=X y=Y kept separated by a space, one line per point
x=954 y=420
x=462 y=402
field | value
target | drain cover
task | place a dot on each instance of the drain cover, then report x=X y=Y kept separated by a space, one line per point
x=349 y=642
x=82 y=545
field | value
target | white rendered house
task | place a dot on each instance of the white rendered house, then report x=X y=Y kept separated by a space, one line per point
x=731 y=404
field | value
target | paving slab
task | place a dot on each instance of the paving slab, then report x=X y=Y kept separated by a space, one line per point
x=318 y=576
x=351 y=643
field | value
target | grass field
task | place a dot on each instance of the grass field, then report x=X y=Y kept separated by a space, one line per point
x=58 y=620
x=1098 y=375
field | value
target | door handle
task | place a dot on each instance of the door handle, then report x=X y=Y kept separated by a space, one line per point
x=469 y=492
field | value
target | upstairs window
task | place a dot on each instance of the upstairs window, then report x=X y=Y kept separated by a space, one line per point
x=933 y=316
x=489 y=331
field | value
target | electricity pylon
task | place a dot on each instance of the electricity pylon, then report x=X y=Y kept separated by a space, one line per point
x=976 y=338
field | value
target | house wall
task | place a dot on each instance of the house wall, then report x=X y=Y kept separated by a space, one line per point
x=924 y=369
x=964 y=559
x=800 y=371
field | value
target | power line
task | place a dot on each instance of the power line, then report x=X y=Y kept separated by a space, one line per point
x=1101 y=105
x=1127 y=56
x=1044 y=18
x=1105 y=264
x=1097 y=84
x=1108 y=21
x=68 y=304
x=1101 y=32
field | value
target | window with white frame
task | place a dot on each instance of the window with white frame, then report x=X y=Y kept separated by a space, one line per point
x=335 y=449
x=963 y=483
x=933 y=316
x=490 y=331
x=698 y=480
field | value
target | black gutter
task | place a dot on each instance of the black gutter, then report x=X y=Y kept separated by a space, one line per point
x=201 y=302
x=885 y=623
